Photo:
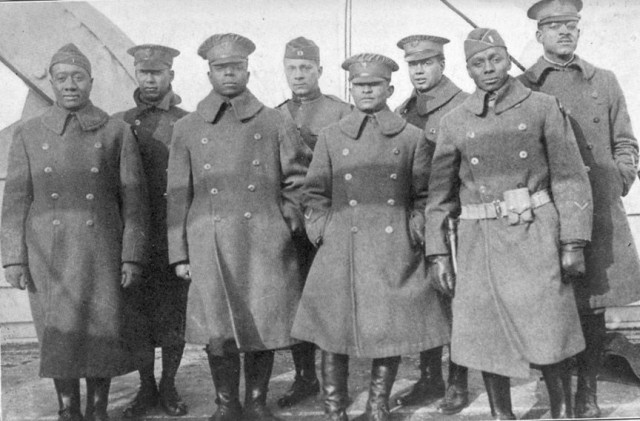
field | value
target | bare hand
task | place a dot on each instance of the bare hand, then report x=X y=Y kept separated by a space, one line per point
x=18 y=276
x=131 y=274
x=183 y=270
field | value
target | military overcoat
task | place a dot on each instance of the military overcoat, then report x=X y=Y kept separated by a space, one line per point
x=598 y=112
x=161 y=300
x=366 y=294
x=236 y=171
x=510 y=307
x=74 y=209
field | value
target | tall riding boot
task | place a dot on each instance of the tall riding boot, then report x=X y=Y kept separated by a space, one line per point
x=306 y=383
x=97 y=398
x=430 y=386
x=68 y=391
x=383 y=374
x=558 y=379
x=589 y=361
x=257 y=372
x=335 y=372
x=170 y=401
x=457 y=396
x=225 y=372
x=499 y=393
x=147 y=396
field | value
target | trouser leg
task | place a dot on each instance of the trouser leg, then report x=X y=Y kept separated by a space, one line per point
x=170 y=400
x=499 y=393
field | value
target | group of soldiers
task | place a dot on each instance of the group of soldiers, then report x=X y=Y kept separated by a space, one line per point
x=489 y=221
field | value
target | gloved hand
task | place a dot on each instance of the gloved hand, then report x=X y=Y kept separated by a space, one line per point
x=183 y=270
x=440 y=273
x=18 y=276
x=131 y=274
x=572 y=261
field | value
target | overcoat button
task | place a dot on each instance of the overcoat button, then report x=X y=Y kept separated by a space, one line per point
x=523 y=154
x=45 y=146
x=247 y=215
x=207 y=166
x=474 y=161
x=483 y=189
x=522 y=127
x=251 y=187
x=204 y=140
x=393 y=176
x=353 y=202
x=89 y=196
x=137 y=122
x=471 y=135
x=257 y=136
x=388 y=229
x=354 y=229
x=94 y=170
x=217 y=218
x=596 y=120
x=255 y=162
x=55 y=196
x=90 y=223
x=345 y=152
x=56 y=222
x=587 y=168
x=396 y=151
x=589 y=146
x=432 y=130
x=391 y=202
x=214 y=191
x=97 y=145
x=48 y=169
x=594 y=94
x=348 y=177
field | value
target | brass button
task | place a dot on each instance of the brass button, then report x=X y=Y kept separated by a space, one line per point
x=56 y=222
x=594 y=94
x=255 y=162
x=48 y=169
x=214 y=191
x=345 y=152
x=45 y=146
x=90 y=223
x=388 y=229
x=217 y=219
x=353 y=202
x=393 y=176
x=137 y=122
x=474 y=161
x=55 y=196
x=391 y=202
x=354 y=229
x=95 y=170
x=522 y=127
x=396 y=151
x=432 y=130
x=589 y=146
x=247 y=215
x=89 y=196
x=257 y=136
x=348 y=177
x=251 y=187
x=471 y=135
x=523 y=154
x=97 y=145
x=207 y=166
x=483 y=189
x=204 y=140
x=596 y=120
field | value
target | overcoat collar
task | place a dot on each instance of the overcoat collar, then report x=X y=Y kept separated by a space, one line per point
x=90 y=117
x=436 y=97
x=389 y=122
x=512 y=93
x=311 y=98
x=542 y=66
x=171 y=99
x=244 y=106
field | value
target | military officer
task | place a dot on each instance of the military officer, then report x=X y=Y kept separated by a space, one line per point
x=161 y=300
x=506 y=162
x=236 y=171
x=74 y=221
x=366 y=294
x=312 y=111
x=433 y=96
x=598 y=112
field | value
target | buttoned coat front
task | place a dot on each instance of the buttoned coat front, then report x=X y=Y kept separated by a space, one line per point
x=510 y=307
x=366 y=294
x=598 y=112
x=75 y=208
x=236 y=170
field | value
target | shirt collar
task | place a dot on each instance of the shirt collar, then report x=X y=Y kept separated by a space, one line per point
x=244 y=105
x=436 y=97
x=512 y=93
x=90 y=117
x=310 y=98
x=169 y=100
x=544 y=65
x=390 y=123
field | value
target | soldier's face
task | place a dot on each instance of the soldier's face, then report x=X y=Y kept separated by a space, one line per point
x=425 y=74
x=302 y=75
x=229 y=79
x=489 y=69
x=154 y=84
x=71 y=85
x=559 y=39
x=370 y=97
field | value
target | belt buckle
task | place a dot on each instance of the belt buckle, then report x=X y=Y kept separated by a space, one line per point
x=498 y=208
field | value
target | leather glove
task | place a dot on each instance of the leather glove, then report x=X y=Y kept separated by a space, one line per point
x=131 y=274
x=183 y=270
x=572 y=260
x=440 y=273
x=18 y=276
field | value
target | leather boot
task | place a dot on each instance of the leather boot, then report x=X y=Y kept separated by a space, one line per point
x=499 y=393
x=456 y=397
x=306 y=383
x=170 y=400
x=335 y=372
x=225 y=372
x=558 y=380
x=97 y=398
x=430 y=386
x=68 y=391
x=147 y=396
x=257 y=372
x=383 y=374
x=589 y=361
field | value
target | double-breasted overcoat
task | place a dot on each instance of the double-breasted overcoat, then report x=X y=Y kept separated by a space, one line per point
x=159 y=302
x=236 y=171
x=366 y=294
x=598 y=112
x=510 y=307
x=74 y=209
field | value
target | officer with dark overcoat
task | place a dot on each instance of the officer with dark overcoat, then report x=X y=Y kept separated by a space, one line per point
x=236 y=172
x=596 y=106
x=160 y=302
x=366 y=294
x=312 y=111
x=507 y=165
x=434 y=95
x=74 y=221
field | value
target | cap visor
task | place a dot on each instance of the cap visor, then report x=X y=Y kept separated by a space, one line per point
x=422 y=55
x=368 y=79
x=152 y=66
x=228 y=60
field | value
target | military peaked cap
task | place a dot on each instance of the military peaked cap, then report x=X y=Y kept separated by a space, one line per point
x=369 y=67
x=547 y=11
x=152 y=56
x=226 y=48
x=422 y=47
